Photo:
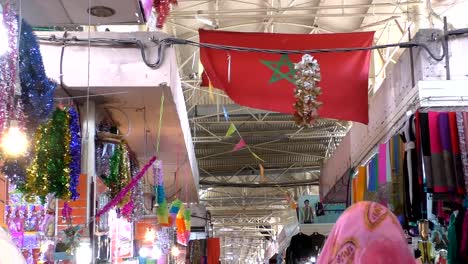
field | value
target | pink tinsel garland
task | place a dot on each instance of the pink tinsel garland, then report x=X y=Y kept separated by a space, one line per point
x=118 y=198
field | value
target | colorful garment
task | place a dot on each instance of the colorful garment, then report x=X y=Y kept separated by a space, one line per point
x=367 y=232
x=453 y=253
x=463 y=148
x=437 y=159
x=456 y=154
x=426 y=151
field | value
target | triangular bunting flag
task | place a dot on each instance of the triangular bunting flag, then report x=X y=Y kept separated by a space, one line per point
x=240 y=145
x=256 y=156
x=232 y=129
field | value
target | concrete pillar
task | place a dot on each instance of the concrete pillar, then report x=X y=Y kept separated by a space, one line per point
x=419 y=15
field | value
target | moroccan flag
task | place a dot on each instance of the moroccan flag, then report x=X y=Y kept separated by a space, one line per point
x=266 y=81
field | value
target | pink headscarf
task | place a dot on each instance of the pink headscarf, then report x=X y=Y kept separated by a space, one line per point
x=366 y=233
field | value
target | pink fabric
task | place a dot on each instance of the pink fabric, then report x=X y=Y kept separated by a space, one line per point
x=382 y=164
x=366 y=233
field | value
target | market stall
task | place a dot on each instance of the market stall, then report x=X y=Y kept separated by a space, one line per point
x=73 y=198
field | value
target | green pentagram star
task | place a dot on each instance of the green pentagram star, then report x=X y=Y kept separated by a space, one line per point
x=275 y=66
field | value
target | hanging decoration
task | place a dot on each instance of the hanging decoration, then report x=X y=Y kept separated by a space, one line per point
x=59 y=155
x=137 y=192
x=119 y=175
x=188 y=223
x=15 y=170
x=8 y=66
x=55 y=167
x=37 y=90
x=162 y=211
x=75 y=152
x=162 y=8
x=181 y=227
x=176 y=206
x=126 y=190
x=66 y=214
x=307 y=91
x=240 y=145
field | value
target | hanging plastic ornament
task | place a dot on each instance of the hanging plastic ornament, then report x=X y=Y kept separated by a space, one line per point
x=37 y=90
x=75 y=152
x=162 y=8
x=307 y=91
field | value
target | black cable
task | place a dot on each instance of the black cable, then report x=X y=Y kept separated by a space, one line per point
x=261 y=185
x=175 y=41
x=163 y=43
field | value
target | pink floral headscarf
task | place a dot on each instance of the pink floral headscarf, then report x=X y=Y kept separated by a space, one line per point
x=366 y=233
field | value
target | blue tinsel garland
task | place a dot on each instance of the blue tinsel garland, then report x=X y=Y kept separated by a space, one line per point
x=37 y=90
x=75 y=152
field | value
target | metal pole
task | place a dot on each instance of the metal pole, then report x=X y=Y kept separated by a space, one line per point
x=446 y=50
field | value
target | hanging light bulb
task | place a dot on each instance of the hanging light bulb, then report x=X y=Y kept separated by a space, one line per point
x=175 y=251
x=14 y=142
x=156 y=252
x=3 y=34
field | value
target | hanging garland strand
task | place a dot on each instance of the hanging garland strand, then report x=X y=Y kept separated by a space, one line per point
x=37 y=91
x=124 y=169
x=112 y=181
x=50 y=171
x=8 y=63
x=36 y=180
x=118 y=198
x=75 y=152
x=59 y=155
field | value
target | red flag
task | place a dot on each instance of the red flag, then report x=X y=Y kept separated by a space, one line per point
x=266 y=81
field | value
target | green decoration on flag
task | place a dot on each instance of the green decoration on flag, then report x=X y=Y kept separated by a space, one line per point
x=278 y=74
x=232 y=129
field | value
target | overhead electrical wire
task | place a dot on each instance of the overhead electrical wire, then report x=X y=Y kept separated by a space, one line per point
x=166 y=42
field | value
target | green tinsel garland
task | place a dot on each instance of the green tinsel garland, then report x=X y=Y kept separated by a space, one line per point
x=119 y=171
x=112 y=181
x=49 y=172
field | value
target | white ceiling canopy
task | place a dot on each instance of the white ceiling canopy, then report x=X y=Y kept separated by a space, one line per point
x=76 y=12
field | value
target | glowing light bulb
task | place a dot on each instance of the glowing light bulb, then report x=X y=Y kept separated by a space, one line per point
x=150 y=235
x=144 y=252
x=14 y=141
x=3 y=35
x=156 y=252
x=175 y=251
x=84 y=253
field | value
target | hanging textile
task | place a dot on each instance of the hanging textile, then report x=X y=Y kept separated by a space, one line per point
x=437 y=160
x=453 y=253
x=397 y=186
x=413 y=188
x=447 y=155
x=373 y=174
x=465 y=126
x=464 y=238
x=213 y=250
x=382 y=164
x=463 y=149
x=382 y=176
x=456 y=155
x=426 y=151
x=361 y=183
x=419 y=163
